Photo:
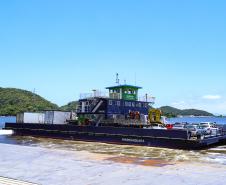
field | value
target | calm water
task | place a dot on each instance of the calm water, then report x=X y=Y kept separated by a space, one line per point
x=218 y=120
x=213 y=155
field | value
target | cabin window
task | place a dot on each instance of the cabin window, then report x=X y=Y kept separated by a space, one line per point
x=133 y=104
x=128 y=104
x=131 y=92
x=118 y=103
x=110 y=102
x=138 y=104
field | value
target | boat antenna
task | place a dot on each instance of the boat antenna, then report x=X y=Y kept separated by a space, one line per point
x=117 y=79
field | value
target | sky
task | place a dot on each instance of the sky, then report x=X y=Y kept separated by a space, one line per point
x=175 y=50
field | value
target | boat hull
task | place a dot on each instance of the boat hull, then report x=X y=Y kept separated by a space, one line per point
x=129 y=136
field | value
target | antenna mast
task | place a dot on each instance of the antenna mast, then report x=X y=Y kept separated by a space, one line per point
x=117 y=79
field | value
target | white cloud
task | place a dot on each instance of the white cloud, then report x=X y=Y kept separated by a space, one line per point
x=211 y=97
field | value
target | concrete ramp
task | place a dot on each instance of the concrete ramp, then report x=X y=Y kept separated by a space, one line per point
x=8 y=181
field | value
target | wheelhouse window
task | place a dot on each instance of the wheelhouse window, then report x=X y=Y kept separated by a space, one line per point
x=138 y=104
x=128 y=104
x=110 y=102
x=146 y=105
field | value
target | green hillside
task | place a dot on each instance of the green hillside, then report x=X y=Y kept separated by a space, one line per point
x=173 y=112
x=71 y=106
x=13 y=101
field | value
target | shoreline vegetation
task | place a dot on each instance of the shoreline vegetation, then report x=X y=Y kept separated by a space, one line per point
x=13 y=101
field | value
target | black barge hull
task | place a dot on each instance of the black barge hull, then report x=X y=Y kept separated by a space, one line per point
x=176 y=139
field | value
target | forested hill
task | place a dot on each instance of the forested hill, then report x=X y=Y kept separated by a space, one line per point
x=13 y=101
x=71 y=106
x=173 y=112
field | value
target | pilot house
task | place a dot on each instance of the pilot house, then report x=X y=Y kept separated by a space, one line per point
x=122 y=100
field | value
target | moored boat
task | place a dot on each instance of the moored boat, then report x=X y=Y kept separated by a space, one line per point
x=121 y=117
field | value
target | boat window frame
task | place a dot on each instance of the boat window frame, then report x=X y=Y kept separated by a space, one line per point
x=110 y=102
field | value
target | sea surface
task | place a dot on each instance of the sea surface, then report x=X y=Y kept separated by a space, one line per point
x=212 y=155
x=218 y=120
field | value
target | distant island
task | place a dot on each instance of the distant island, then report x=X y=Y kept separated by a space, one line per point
x=13 y=101
x=174 y=112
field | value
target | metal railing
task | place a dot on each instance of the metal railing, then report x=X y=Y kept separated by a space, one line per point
x=115 y=95
x=149 y=99
x=95 y=94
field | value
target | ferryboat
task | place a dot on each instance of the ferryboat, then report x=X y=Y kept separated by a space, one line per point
x=119 y=118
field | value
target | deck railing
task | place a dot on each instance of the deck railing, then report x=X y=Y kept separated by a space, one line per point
x=96 y=94
x=149 y=99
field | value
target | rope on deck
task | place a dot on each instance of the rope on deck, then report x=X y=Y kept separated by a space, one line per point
x=9 y=181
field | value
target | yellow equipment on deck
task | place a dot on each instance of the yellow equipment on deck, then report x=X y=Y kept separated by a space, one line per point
x=154 y=116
